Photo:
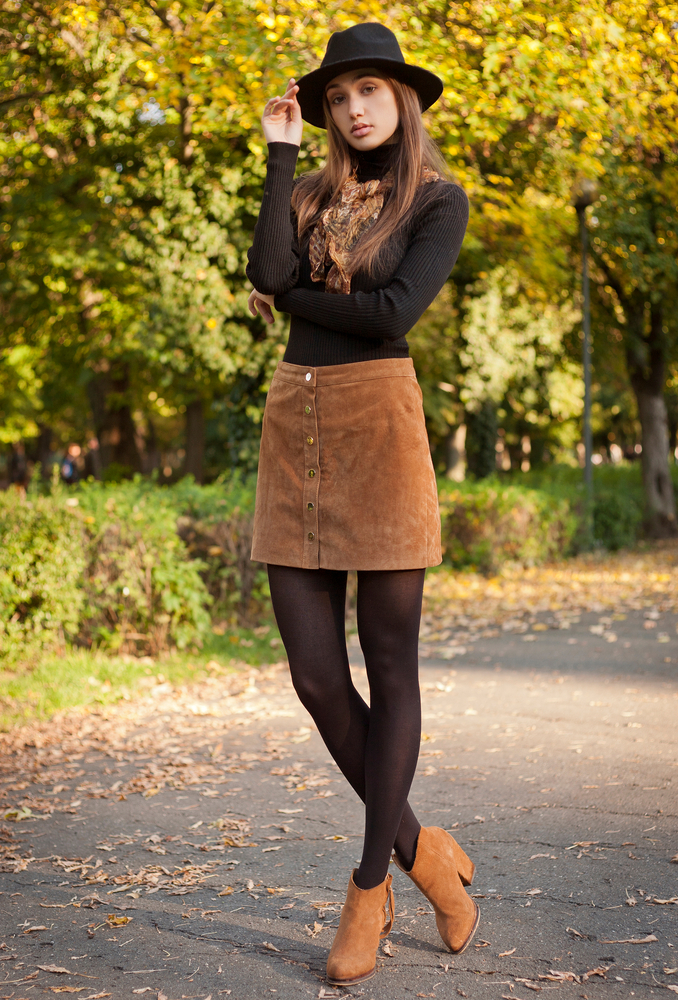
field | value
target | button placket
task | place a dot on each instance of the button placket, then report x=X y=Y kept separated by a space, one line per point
x=309 y=429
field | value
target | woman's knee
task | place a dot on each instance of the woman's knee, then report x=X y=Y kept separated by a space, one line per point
x=393 y=688
x=318 y=691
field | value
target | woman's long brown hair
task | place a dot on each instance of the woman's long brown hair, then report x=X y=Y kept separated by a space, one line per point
x=415 y=150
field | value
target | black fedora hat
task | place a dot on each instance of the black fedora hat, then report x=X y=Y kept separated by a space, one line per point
x=363 y=45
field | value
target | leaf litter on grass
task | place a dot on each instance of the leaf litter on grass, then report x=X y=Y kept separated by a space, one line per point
x=460 y=608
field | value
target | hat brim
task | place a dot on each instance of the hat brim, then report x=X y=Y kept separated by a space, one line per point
x=312 y=86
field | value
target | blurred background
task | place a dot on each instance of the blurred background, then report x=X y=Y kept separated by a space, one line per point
x=132 y=166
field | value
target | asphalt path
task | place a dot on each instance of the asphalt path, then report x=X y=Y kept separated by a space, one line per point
x=551 y=756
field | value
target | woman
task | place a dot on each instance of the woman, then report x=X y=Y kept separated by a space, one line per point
x=345 y=474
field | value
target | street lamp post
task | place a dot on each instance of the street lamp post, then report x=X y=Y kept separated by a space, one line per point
x=584 y=194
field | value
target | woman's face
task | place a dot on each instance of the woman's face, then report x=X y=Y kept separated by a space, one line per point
x=364 y=108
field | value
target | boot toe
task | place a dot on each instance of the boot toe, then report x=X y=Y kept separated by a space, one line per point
x=460 y=938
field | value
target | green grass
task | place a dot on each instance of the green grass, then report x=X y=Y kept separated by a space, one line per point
x=78 y=678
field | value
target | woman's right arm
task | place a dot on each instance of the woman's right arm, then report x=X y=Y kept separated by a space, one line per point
x=273 y=260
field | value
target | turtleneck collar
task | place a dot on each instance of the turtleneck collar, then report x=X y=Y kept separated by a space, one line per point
x=372 y=164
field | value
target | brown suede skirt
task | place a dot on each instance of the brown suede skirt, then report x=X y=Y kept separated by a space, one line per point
x=345 y=473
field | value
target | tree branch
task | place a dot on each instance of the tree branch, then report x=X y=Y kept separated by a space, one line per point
x=24 y=97
x=162 y=16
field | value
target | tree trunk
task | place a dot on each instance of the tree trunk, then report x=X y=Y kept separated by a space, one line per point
x=151 y=458
x=195 y=440
x=481 y=440
x=455 y=454
x=113 y=423
x=44 y=450
x=645 y=360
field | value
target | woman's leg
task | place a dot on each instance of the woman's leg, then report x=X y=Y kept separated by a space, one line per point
x=389 y=612
x=309 y=608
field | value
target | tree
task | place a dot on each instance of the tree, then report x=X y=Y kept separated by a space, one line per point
x=635 y=250
x=134 y=164
x=120 y=260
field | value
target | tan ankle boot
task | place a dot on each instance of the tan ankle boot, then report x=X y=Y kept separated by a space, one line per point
x=363 y=922
x=440 y=867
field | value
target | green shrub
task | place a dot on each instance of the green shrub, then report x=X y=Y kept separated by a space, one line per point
x=618 y=498
x=144 y=592
x=134 y=567
x=617 y=519
x=216 y=523
x=42 y=559
x=487 y=523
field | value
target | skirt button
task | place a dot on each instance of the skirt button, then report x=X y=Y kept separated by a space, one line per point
x=311 y=473
x=307 y=409
x=311 y=536
x=310 y=440
x=310 y=506
x=308 y=376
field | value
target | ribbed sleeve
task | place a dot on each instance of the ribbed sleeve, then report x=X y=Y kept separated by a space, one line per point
x=273 y=258
x=389 y=313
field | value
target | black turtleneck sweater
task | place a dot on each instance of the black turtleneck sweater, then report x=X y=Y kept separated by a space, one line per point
x=372 y=321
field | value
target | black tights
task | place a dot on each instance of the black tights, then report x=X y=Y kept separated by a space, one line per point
x=376 y=748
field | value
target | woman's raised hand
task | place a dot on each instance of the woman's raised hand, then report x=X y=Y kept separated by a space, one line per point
x=281 y=119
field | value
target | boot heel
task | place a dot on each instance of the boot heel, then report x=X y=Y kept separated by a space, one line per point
x=465 y=866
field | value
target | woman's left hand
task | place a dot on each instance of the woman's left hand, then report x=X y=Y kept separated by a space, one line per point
x=261 y=304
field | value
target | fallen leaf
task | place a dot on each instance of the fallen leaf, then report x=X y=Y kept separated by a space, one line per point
x=387 y=948
x=674 y=859
x=599 y=971
x=38 y=927
x=646 y=940
x=533 y=892
x=313 y=931
x=271 y=947
x=503 y=954
x=118 y=920
x=556 y=976
x=98 y=996
x=482 y=944
x=670 y=972
x=228 y=891
x=54 y=968
x=144 y=989
x=540 y=855
x=664 y=902
x=576 y=933
x=16 y=815
x=66 y=989
x=267 y=850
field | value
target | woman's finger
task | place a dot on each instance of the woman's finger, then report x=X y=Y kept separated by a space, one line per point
x=265 y=311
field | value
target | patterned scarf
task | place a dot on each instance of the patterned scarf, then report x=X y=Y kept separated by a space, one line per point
x=343 y=223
